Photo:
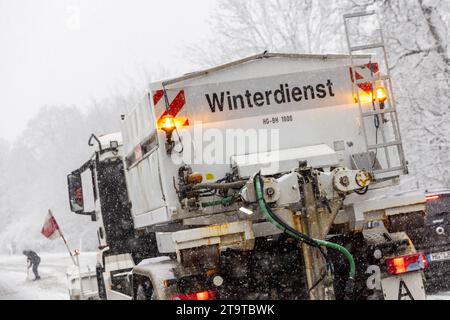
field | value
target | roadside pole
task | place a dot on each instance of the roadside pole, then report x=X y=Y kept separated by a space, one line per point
x=67 y=246
x=62 y=236
x=77 y=254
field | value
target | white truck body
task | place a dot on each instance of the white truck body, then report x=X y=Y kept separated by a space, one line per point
x=325 y=131
x=263 y=113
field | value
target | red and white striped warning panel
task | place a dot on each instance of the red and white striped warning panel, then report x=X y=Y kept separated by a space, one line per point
x=176 y=100
x=366 y=71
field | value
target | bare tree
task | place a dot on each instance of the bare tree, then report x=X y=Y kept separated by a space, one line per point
x=417 y=33
x=246 y=27
x=53 y=144
x=417 y=43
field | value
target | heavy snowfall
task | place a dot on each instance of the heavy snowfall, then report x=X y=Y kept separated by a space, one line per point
x=17 y=283
x=36 y=158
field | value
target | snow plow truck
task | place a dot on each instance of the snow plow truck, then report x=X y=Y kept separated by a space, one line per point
x=264 y=178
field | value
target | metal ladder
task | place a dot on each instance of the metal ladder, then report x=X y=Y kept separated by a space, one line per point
x=390 y=170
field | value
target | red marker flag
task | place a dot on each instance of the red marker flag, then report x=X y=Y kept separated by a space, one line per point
x=50 y=228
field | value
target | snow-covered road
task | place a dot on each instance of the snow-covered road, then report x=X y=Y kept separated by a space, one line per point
x=53 y=286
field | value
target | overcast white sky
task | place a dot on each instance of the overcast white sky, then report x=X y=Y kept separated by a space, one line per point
x=66 y=52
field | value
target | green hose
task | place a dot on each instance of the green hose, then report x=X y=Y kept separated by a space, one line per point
x=342 y=250
x=224 y=202
x=331 y=245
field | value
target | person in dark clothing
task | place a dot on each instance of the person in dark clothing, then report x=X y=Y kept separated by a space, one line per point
x=33 y=260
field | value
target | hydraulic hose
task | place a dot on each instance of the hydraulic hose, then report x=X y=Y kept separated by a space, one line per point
x=271 y=217
x=225 y=201
x=344 y=251
x=221 y=186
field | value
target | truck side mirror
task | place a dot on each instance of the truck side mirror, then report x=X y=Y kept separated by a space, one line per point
x=75 y=187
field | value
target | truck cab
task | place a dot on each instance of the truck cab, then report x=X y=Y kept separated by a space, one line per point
x=119 y=247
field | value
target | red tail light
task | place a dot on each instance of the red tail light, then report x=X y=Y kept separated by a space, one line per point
x=432 y=197
x=405 y=264
x=201 y=295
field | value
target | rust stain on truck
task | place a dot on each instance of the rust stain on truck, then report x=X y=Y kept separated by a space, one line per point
x=216 y=230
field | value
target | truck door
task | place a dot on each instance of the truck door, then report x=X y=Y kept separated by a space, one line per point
x=114 y=204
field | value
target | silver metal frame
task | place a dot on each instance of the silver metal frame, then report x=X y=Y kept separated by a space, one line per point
x=391 y=171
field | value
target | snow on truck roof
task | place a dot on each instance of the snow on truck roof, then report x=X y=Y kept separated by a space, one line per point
x=264 y=55
x=105 y=140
